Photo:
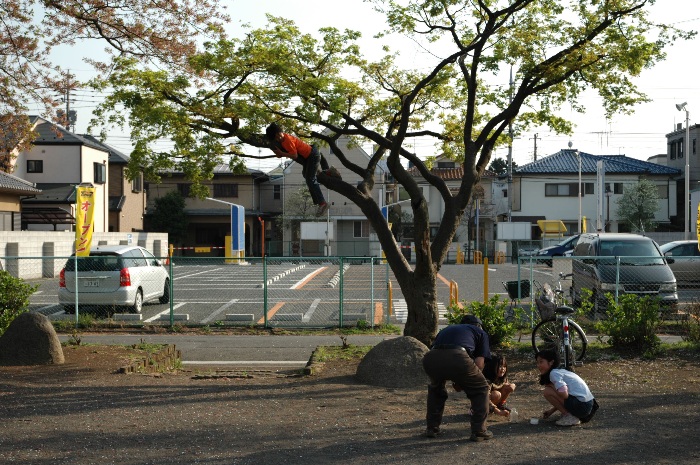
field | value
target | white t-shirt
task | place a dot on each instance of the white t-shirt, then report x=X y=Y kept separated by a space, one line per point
x=573 y=382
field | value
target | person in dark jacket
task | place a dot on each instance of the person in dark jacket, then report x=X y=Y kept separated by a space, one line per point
x=458 y=354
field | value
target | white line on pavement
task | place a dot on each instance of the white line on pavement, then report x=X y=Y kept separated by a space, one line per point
x=164 y=312
x=216 y=312
x=307 y=316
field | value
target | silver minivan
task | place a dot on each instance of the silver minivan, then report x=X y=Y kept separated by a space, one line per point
x=114 y=276
x=626 y=263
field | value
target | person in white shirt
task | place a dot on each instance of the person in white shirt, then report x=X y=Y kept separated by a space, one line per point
x=564 y=390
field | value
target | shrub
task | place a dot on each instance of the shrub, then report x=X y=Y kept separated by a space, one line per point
x=631 y=323
x=14 y=298
x=492 y=315
x=690 y=324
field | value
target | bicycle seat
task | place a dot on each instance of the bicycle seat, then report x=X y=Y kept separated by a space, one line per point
x=564 y=310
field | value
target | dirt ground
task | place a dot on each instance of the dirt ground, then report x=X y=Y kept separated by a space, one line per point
x=83 y=412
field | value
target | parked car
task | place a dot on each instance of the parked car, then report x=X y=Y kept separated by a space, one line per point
x=643 y=270
x=558 y=250
x=114 y=276
x=686 y=262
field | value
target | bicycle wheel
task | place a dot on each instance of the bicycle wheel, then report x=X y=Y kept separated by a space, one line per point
x=577 y=341
x=547 y=335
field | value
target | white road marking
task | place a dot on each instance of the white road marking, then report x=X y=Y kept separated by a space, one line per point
x=218 y=311
x=164 y=312
x=307 y=316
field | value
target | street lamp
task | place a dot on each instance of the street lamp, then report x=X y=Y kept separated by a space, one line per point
x=686 y=200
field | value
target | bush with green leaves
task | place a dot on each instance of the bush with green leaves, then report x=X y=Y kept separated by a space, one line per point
x=493 y=316
x=14 y=298
x=632 y=322
x=690 y=324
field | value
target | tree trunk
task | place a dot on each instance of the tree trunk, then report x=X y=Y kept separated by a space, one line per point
x=421 y=299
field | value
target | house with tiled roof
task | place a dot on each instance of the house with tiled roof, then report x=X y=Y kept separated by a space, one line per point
x=12 y=190
x=549 y=189
x=58 y=161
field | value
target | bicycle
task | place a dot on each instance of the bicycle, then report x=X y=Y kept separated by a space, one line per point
x=559 y=331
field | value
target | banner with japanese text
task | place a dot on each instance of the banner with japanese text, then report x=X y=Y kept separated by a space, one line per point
x=84 y=215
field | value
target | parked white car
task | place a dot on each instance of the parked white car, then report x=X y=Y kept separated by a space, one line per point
x=114 y=276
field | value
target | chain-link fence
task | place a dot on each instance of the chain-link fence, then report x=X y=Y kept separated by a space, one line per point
x=271 y=292
x=311 y=292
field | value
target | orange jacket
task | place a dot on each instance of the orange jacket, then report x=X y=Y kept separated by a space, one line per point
x=295 y=146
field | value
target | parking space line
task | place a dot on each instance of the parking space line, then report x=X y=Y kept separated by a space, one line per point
x=304 y=281
x=194 y=274
x=307 y=316
x=271 y=312
x=216 y=312
x=164 y=312
x=442 y=278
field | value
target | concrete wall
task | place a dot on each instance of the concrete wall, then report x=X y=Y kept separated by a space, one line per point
x=42 y=254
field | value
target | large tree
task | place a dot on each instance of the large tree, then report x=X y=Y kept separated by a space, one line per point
x=152 y=32
x=325 y=88
x=638 y=206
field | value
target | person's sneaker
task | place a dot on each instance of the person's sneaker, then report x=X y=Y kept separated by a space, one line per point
x=568 y=420
x=484 y=435
x=322 y=208
x=332 y=171
x=432 y=432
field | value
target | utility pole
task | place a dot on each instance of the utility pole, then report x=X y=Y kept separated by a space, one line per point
x=510 y=152
x=535 y=152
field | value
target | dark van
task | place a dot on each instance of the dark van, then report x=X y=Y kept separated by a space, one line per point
x=643 y=270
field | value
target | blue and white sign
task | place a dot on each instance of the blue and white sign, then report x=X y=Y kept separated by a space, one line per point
x=237 y=227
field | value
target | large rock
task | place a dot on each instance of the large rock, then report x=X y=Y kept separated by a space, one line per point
x=396 y=363
x=30 y=340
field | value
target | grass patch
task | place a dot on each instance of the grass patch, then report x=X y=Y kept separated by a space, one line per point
x=346 y=352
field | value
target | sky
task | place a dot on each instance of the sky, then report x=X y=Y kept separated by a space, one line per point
x=640 y=135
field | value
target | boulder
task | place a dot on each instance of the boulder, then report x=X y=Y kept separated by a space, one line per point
x=30 y=340
x=396 y=363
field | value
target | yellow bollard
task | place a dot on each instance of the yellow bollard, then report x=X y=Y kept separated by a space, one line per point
x=390 y=295
x=454 y=293
x=486 y=280
x=478 y=256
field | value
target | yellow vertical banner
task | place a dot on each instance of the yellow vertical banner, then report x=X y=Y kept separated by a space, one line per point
x=84 y=214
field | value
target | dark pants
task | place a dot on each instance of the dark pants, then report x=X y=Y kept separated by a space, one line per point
x=457 y=366
x=309 y=170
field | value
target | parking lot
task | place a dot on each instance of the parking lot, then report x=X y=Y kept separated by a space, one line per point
x=305 y=293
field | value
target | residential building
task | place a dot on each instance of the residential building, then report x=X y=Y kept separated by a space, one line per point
x=549 y=189
x=58 y=161
x=12 y=190
x=677 y=158
x=209 y=221
x=487 y=193
x=127 y=199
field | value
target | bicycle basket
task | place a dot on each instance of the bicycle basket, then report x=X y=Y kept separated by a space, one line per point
x=512 y=289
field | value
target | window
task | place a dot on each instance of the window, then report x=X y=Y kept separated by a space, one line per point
x=35 y=166
x=561 y=190
x=663 y=191
x=276 y=192
x=183 y=189
x=680 y=148
x=137 y=183
x=100 y=173
x=361 y=229
x=588 y=188
x=672 y=150
x=616 y=187
x=225 y=190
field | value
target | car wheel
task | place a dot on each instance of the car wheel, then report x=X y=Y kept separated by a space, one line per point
x=138 y=302
x=70 y=309
x=165 y=298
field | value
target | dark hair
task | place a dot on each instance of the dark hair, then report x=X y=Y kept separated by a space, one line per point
x=551 y=356
x=471 y=320
x=491 y=368
x=272 y=130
